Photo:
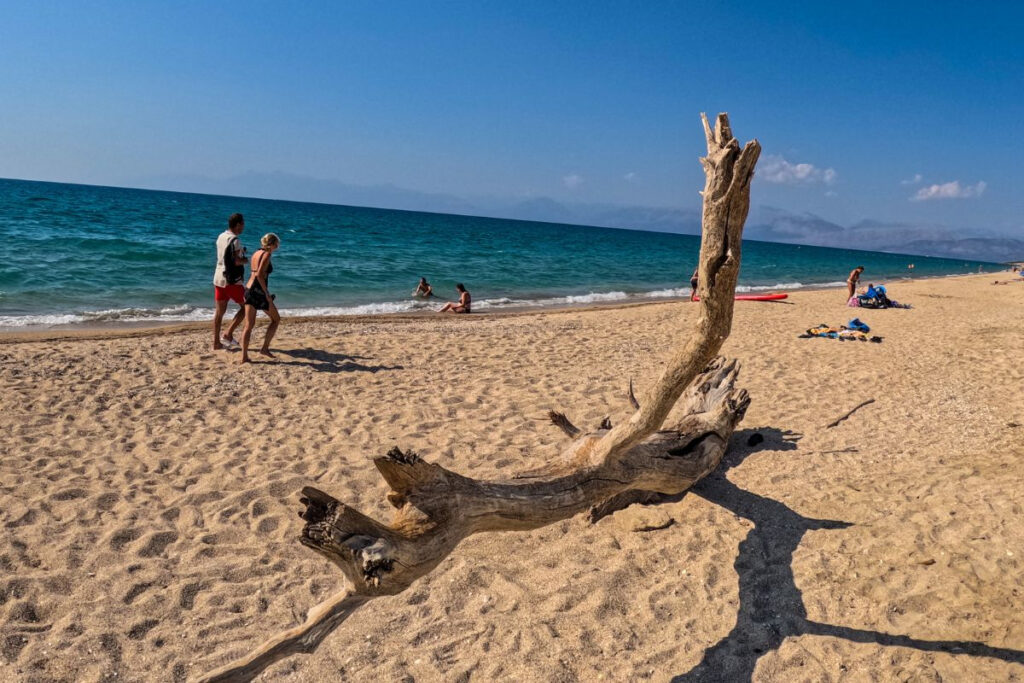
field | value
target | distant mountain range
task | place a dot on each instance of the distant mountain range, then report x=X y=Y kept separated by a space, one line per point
x=765 y=223
x=777 y=225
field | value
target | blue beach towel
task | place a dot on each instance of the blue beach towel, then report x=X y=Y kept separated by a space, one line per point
x=856 y=324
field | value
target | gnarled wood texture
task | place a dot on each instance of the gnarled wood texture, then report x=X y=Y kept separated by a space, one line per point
x=601 y=471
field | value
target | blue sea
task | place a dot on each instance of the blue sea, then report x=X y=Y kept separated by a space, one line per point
x=86 y=255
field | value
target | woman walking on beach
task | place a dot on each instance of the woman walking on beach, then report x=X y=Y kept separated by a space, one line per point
x=851 y=282
x=464 y=304
x=258 y=296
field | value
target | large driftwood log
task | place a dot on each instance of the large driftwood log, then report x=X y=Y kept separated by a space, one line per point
x=601 y=471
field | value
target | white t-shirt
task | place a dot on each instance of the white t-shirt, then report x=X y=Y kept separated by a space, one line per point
x=223 y=242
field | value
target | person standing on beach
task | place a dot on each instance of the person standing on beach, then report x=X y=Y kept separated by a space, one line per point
x=693 y=284
x=851 y=282
x=227 y=281
x=258 y=296
x=464 y=304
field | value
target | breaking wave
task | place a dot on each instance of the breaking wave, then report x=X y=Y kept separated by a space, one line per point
x=186 y=313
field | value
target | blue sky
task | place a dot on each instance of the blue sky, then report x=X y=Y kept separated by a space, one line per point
x=860 y=107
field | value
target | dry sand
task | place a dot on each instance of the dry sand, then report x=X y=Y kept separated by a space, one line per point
x=149 y=490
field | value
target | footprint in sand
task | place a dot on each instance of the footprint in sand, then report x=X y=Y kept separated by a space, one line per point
x=123 y=537
x=25 y=613
x=282 y=489
x=25 y=520
x=70 y=494
x=157 y=543
x=267 y=525
x=188 y=595
x=139 y=630
x=111 y=646
x=106 y=501
x=135 y=591
x=12 y=645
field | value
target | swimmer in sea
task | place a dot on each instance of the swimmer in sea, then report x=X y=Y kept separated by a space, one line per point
x=423 y=289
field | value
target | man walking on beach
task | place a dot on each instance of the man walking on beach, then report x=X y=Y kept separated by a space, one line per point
x=227 y=281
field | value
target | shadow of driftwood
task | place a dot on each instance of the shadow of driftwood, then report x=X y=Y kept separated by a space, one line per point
x=326 y=361
x=771 y=606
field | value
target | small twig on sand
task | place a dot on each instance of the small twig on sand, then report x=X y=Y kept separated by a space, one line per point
x=830 y=425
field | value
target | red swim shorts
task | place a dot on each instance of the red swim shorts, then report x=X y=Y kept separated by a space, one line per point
x=234 y=293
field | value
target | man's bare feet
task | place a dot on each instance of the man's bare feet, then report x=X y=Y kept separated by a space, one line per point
x=217 y=347
x=245 y=359
x=267 y=353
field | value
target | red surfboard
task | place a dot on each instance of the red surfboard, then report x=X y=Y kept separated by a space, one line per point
x=756 y=297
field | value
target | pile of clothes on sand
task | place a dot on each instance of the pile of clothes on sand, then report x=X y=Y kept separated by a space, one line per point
x=875 y=297
x=855 y=330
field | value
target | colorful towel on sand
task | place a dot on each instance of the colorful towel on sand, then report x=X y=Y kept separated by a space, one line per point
x=842 y=333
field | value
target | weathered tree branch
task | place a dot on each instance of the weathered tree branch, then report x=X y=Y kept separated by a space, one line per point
x=320 y=622
x=601 y=471
x=848 y=413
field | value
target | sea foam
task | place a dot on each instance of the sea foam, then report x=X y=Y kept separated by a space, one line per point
x=186 y=313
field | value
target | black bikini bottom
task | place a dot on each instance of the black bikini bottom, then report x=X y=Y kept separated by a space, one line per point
x=257 y=298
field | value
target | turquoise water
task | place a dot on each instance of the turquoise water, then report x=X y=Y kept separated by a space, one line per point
x=82 y=254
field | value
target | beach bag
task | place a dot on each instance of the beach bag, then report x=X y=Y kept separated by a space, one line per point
x=854 y=302
x=234 y=274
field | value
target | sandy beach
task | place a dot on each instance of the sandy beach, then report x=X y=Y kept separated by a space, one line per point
x=149 y=490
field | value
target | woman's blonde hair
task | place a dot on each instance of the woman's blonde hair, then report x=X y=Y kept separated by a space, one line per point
x=270 y=240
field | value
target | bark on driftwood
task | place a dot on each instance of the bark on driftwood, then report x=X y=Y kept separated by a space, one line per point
x=601 y=471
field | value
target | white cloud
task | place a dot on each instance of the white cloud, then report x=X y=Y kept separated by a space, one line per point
x=630 y=177
x=572 y=181
x=775 y=169
x=913 y=181
x=951 y=190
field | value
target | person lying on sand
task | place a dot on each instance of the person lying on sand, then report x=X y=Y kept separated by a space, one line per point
x=423 y=289
x=464 y=304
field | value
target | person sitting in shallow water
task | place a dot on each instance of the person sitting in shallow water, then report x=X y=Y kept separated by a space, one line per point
x=464 y=304
x=423 y=289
